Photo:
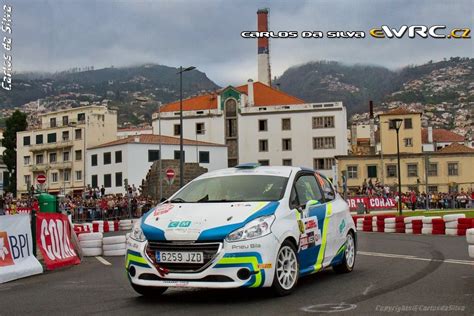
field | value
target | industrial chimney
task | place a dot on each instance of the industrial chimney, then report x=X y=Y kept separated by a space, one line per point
x=372 y=124
x=264 y=73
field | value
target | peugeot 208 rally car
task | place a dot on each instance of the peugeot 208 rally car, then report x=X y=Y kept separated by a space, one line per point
x=247 y=226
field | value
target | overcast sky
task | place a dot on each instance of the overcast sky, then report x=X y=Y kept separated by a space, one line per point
x=56 y=35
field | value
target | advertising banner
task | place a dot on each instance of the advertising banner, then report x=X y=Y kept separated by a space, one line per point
x=16 y=248
x=53 y=236
x=372 y=203
x=20 y=210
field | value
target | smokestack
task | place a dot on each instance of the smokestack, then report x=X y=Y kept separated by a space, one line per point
x=251 y=101
x=264 y=73
x=430 y=135
x=372 y=123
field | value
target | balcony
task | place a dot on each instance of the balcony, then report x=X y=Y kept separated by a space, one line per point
x=39 y=167
x=48 y=146
x=54 y=165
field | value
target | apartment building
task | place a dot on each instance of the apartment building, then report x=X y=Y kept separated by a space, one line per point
x=57 y=149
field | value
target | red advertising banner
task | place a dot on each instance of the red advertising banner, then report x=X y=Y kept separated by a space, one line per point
x=372 y=203
x=20 y=210
x=53 y=233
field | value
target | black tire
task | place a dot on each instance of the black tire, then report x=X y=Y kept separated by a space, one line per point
x=149 y=291
x=279 y=289
x=347 y=265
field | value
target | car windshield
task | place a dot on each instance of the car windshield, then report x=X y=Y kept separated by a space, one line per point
x=239 y=188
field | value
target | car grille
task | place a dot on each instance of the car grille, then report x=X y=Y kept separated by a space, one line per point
x=209 y=250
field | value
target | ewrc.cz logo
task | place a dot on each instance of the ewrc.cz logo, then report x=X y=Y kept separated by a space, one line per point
x=12 y=248
x=423 y=31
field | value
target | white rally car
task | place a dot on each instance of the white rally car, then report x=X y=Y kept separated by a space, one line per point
x=247 y=226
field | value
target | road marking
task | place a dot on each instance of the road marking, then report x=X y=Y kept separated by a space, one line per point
x=103 y=261
x=408 y=257
x=366 y=291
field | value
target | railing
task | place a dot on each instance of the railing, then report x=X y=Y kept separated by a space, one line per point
x=47 y=146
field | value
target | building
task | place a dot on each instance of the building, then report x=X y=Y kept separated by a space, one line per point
x=133 y=131
x=57 y=148
x=130 y=158
x=425 y=166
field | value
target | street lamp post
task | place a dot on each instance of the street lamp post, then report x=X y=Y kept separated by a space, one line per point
x=181 y=152
x=396 y=124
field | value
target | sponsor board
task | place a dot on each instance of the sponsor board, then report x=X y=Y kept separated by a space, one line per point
x=53 y=236
x=372 y=203
x=16 y=249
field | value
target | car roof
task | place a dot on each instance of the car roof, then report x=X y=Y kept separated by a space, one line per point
x=282 y=171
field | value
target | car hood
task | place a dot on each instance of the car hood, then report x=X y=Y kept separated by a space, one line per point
x=201 y=221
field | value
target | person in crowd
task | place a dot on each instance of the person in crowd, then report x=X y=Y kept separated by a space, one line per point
x=102 y=191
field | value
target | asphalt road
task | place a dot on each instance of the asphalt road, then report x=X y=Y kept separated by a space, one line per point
x=393 y=272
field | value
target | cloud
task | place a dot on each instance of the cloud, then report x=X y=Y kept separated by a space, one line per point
x=52 y=35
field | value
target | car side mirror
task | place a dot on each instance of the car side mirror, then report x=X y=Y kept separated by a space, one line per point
x=329 y=195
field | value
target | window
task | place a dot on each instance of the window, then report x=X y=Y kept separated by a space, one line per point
x=94 y=183
x=453 y=168
x=372 y=171
x=81 y=117
x=39 y=159
x=54 y=177
x=287 y=162
x=412 y=170
x=78 y=133
x=307 y=189
x=323 y=163
x=327 y=188
x=177 y=129
x=66 y=156
x=52 y=122
x=263 y=145
x=26 y=141
x=286 y=144
x=26 y=160
x=285 y=124
x=408 y=142
x=432 y=169
x=65 y=135
x=231 y=130
x=108 y=180
x=53 y=157
x=262 y=125
x=94 y=160
x=407 y=123
x=118 y=156
x=200 y=129
x=28 y=180
x=264 y=162
x=67 y=175
x=153 y=155
x=324 y=142
x=107 y=158
x=204 y=157
x=65 y=120
x=391 y=171
x=177 y=155
x=78 y=154
x=78 y=175
x=118 y=179
x=39 y=139
x=323 y=122
x=51 y=138
x=432 y=188
x=352 y=172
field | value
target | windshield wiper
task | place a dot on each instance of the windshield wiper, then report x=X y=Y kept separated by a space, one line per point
x=223 y=200
x=177 y=200
x=203 y=199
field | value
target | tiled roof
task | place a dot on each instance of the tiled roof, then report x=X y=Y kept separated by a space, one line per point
x=263 y=96
x=399 y=111
x=441 y=135
x=132 y=129
x=155 y=139
x=456 y=148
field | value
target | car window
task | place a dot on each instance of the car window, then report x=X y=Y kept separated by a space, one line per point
x=307 y=189
x=327 y=188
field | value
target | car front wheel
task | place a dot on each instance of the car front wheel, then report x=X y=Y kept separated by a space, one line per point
x=286 y=269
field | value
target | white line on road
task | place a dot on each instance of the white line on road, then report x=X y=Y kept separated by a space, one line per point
x=103 y=261
x=407 y=257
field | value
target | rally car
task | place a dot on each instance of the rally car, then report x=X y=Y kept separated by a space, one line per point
x=248 y=226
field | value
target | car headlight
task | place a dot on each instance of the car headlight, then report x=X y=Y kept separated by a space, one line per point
x=137 y=232
x=259 y=227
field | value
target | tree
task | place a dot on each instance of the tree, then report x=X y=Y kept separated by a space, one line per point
x=15 y=123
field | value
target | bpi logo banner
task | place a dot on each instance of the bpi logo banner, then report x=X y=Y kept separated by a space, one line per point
x=53 y=234
x=16 y=248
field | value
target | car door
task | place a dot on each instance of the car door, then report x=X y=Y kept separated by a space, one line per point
x=311 y=248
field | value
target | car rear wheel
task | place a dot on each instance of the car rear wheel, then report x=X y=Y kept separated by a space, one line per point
x=348 y=262
x=286 y=269
x=149 y=291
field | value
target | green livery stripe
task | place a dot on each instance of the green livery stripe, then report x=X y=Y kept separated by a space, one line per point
x=241 y=260
x=319 y=262
x=135 y=259
x=341 y=249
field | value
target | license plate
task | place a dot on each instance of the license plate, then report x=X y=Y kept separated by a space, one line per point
x=179 y=257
